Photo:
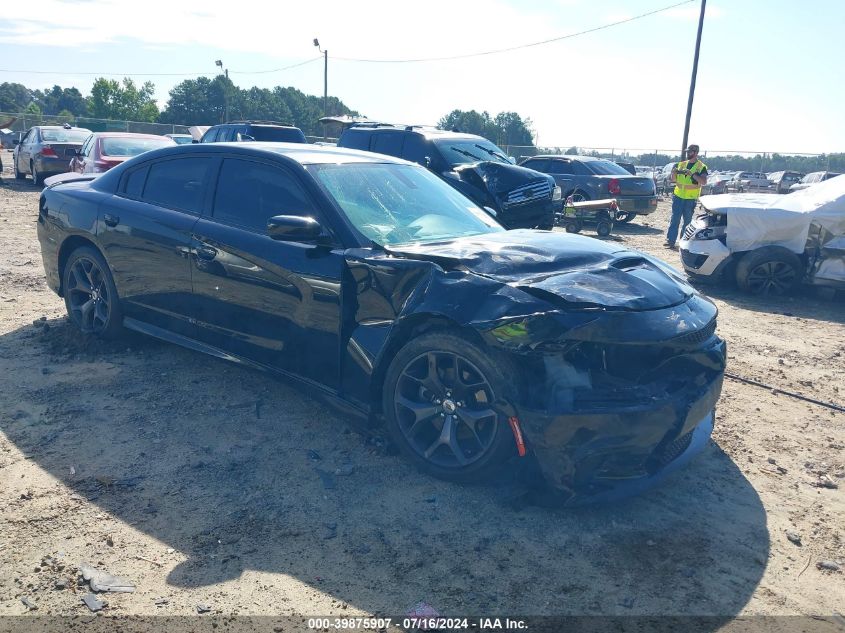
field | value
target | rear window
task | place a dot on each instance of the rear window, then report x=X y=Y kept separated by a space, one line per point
x=64 y=136
x=277 y=134
x=124 y=146
x=605 y=168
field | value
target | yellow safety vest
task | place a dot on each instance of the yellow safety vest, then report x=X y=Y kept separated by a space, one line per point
x=684 y=186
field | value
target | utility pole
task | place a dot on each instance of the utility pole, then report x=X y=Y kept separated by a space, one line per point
x=325 y=84
x=225 y=91
x=692 y=81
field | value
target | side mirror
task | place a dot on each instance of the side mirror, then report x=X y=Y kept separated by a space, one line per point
x=293 y=228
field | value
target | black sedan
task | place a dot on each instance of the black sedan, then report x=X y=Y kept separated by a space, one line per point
x=373 y=281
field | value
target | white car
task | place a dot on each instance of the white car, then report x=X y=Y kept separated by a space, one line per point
x=770 y=242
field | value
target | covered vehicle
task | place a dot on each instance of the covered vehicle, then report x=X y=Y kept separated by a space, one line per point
x=371 y=281
x=103 y=150
x=770 y=242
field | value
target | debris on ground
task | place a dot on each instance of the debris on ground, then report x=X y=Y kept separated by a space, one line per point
x=327 y=478
x=93 y=603
x=345 y=470
x=29 y=604
x=828 y=565
x=203 y=608
x=793 y=537
x=826 y=482
x=422 y=610
x=103 y=581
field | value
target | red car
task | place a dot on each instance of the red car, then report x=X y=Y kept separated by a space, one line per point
x=103 y=150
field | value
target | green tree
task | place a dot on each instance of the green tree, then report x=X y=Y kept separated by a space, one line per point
x=123 y=101
x=471 y=122
x=14 y=97
x=57 y=99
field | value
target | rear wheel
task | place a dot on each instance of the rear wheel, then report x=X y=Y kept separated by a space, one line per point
x=37 y=178
x=440 y=398
x=19 y=175
x=90 y=294
x=768 y=270
x=573 y=226
x=604 y=227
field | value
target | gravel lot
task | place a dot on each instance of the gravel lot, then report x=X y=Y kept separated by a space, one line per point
x=207 y=484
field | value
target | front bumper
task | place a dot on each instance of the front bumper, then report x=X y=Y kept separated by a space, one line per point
x=528 y=215
x=704 y=258
x=626 y=438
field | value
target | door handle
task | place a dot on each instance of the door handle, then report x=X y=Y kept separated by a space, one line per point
x=111 y=220
x=206 y=252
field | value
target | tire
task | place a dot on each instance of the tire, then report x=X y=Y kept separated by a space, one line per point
x=623 y=217
x=18 y=174
x=439 y=379
x=573 y=226
x=768 y=270
x=604 y=227
x=91 y=297
x=37 y=178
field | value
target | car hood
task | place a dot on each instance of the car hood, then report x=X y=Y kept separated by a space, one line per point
x=501 y=178
x=756 y=220
x=568 y=271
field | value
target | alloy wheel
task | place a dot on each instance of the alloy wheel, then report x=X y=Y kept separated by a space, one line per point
x=771 y=278
x=88 y=296
x=444 y=408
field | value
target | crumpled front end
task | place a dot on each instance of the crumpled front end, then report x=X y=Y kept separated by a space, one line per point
x=618 y=403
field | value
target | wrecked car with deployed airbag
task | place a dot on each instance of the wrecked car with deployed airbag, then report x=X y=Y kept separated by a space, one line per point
x=386 y=290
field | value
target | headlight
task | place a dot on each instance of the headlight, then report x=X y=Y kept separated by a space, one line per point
x=710 y=233
x=557 y=194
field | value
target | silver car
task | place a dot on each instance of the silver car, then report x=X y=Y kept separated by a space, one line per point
x=46 y=150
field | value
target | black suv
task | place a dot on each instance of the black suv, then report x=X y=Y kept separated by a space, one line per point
x=520 y=197
x=253 y=131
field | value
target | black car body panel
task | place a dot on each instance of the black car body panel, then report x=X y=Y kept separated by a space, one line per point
x=521 y=198
x=618 y=361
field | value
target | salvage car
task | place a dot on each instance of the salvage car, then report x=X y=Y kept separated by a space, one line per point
x=516 y=196
x=783 y=180
x=46 y=150
x=812 y=179
x=371 y=281
x=770 y=243
x=588 y=178
x=103 y=150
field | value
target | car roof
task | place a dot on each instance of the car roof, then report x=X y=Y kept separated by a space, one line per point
x=582 y=158
x=303 y=153
x=125 y=135
x=430 y=133
x=60 y=127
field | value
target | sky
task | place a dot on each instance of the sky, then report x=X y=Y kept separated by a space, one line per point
x=769 y=75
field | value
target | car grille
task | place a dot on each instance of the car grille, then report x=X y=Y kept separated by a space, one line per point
x=528 y=193
x=693 y=339
x=692 y=260
x=689 y=231
x=673 y=450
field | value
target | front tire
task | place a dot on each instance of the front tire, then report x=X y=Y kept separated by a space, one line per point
x=90 y=294
x=440 y=399
x=768 y=270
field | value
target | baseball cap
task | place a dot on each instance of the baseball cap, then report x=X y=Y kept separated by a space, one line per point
x=693 y=147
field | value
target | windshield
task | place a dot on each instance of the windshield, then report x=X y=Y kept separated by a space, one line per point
x=182 y=139
x=605 y=168
x=462 y=151
x=126 y=146
x=397 y=204
x=64 y=136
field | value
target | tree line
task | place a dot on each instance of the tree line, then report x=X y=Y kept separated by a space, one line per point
x=205 y=101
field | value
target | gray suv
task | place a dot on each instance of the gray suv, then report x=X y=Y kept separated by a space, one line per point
x=589 y=178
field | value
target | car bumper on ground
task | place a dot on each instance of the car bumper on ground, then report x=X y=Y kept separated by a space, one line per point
x=639 y=205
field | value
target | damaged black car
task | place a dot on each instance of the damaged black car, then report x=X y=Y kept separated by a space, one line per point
x=373 y=282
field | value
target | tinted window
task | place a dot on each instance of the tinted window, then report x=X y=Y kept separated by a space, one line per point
x=128 y=146
x=276 y=134
x=389 y=143
x=538 y=164
x=211 y=135
x=606 y=168
x=416 y=149
x=135 y=182
x=64 y=136
x=249 y=194
x=355 y=139
x=178 y=184
x=563 y=167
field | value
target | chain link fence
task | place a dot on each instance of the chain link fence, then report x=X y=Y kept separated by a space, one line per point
x=19 y=122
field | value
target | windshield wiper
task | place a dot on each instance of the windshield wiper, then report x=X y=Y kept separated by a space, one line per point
x=465 y=153
x=493 y=153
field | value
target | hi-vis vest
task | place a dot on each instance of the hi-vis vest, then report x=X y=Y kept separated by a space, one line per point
x=684 y=186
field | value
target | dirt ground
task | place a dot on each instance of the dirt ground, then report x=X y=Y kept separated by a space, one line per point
x=206 y=484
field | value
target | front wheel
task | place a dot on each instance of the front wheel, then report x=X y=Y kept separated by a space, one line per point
x=90 y=294
x=768 y=270
x=440 y=399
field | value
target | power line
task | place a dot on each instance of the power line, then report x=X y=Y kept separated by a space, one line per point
x=513 y=48
x=127 y=74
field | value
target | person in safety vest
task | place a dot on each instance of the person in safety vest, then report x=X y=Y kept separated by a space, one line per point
x=688 y=175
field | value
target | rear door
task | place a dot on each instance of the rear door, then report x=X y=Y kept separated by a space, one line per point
x=270 y=301
x=145 y=231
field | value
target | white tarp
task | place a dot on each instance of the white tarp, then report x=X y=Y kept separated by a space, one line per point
x=757 y=219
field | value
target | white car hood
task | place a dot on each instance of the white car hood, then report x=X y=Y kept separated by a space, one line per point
x=760 y=219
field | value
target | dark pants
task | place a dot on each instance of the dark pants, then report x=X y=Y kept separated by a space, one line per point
x=680 y=208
